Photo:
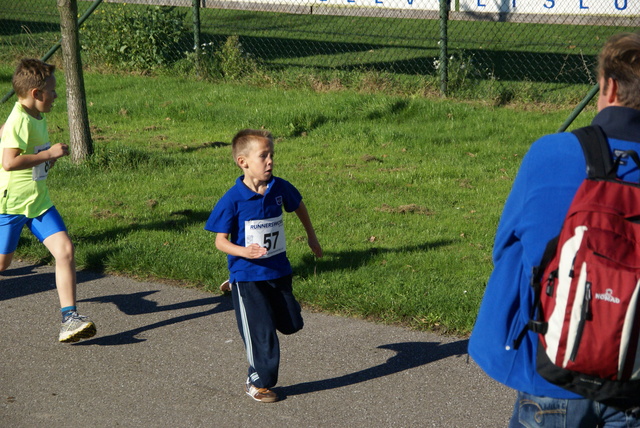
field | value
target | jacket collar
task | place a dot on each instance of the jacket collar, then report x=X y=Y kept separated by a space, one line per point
x=621 y=123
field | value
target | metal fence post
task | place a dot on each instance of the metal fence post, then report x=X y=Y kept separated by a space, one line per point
x=196 y=32
x=579 y=108
x=444 y=60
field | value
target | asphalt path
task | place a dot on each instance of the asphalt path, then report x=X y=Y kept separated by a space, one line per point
x=167 y=356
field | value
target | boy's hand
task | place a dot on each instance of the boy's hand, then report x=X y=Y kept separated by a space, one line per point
x=59 y=150
x=255 y=251
x=315 y=247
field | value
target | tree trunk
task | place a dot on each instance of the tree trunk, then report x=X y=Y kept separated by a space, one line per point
x=79 y=132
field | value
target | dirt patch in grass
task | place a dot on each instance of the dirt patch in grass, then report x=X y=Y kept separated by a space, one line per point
x=405 y=209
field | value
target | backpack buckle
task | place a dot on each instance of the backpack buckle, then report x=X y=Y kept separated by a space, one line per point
x=539 y=327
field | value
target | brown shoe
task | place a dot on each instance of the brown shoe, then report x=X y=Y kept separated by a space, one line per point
x=225 y=287
x=262 y=395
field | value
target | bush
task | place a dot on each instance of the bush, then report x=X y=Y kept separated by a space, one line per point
x=233 y=61
x=226 y=61
x=134 y=38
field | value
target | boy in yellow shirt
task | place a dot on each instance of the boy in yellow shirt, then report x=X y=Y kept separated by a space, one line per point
x=27 y=156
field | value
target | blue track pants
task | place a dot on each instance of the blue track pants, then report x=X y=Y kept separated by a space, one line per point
x=262 y=308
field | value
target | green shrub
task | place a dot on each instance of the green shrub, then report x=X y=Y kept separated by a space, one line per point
x=228 y=61
x=233 y=61
x=464 y=72
x=134 y=38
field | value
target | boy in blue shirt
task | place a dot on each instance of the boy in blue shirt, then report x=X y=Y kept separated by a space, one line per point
x=249 y=225
x=27 y=155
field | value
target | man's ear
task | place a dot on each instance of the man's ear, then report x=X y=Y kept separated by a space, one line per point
x=611 y=93
x=241 y=161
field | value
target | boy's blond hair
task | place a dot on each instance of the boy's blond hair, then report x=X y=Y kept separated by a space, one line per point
x=620 y=61
x=31 y=73
x=243 y=139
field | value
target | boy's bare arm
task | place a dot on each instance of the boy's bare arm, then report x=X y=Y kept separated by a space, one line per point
x=13 y=161
x=312 y=240
x=253 y=251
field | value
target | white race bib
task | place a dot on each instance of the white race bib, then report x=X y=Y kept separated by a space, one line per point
x=41 y=171
x=268 y=233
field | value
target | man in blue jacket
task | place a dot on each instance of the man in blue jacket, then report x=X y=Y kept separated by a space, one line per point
x=549 y=176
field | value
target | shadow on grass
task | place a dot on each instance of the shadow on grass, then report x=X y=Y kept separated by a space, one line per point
x=5 y=78
x=176 y=221
x=409 y=355
x=348 y=260
x=9 y=27
x=500 y=64
x=94 y=261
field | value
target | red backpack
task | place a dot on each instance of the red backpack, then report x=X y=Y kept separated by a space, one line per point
x=587 y=288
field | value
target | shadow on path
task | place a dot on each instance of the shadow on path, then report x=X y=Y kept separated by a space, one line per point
x=409 y=355
x=137 y=304
x=25 y=280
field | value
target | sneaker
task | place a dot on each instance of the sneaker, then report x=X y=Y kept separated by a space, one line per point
x=225 y=286
x=76 y=327
x=263 y=395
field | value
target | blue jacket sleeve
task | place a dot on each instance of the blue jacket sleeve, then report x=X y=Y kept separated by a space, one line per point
x=549 y=176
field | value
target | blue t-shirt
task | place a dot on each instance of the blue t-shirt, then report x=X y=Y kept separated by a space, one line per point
x=241 y=212
x=551 y=172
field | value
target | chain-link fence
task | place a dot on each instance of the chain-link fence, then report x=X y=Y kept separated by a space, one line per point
x=553 y=41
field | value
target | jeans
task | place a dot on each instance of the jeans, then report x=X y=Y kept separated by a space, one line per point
x=535 y=411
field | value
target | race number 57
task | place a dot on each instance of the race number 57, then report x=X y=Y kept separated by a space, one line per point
x=268 y=233
x=271 y=240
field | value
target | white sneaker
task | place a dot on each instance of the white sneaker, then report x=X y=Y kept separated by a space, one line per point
x=76 y=327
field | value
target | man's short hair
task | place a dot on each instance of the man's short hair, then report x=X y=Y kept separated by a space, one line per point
x=619 y=60
x=31 y=73
x=243 y=139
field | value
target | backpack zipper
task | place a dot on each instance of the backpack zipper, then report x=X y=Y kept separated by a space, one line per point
x=584 y=316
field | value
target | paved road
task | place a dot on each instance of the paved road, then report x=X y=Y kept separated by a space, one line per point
x=166 y=356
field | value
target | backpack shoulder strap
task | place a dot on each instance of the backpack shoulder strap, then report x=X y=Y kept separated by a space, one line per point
x=596 y=152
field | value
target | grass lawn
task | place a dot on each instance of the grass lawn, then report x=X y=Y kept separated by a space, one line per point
x=405 y=192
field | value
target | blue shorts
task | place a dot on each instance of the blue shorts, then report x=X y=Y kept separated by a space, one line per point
x=42 y=227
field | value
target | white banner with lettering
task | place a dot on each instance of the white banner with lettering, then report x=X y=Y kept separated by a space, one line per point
x=568 y=7
x=382 y=4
